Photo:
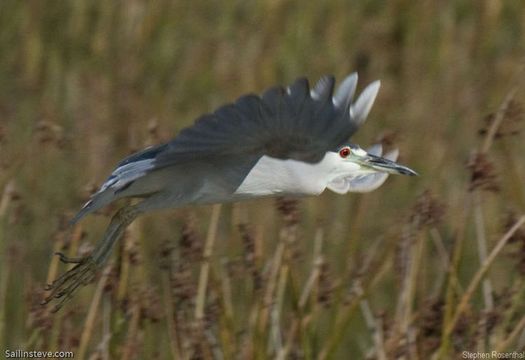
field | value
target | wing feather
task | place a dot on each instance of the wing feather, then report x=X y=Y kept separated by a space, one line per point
x=286 y=123
x=345 y=93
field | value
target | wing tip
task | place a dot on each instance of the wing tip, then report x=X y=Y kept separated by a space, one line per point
x=324 y=88
x=392 y=155
x=346 y=91
x=376 y=149
x=361 y=108
x=86 y=209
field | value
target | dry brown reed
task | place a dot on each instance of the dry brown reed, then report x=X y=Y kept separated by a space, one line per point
x=422 y=268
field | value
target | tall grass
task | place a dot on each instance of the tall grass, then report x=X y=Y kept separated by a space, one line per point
x=421 y=268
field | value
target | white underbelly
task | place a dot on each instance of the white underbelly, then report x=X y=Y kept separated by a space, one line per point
x=272 y=176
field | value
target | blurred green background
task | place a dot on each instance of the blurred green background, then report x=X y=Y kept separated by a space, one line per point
x=84 y=83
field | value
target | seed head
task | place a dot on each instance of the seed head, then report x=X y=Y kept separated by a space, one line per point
x=483 y=176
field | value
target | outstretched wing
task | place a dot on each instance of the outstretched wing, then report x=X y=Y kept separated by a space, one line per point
x=285 y=123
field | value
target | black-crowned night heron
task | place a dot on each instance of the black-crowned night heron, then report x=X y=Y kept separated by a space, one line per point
x=289 y=141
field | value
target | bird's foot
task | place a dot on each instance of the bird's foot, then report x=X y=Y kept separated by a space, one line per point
x=63 y=288
x=69 y=260
x=66 y=284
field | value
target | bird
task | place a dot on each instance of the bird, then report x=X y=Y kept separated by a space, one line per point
x=288 y=141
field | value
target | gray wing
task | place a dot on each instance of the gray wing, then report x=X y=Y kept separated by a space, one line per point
x=295 y=122
x=286 y=123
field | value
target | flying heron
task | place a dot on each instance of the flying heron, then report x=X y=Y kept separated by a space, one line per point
x=289 y=141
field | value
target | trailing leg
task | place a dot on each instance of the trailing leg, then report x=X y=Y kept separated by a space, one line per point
x=87 y=267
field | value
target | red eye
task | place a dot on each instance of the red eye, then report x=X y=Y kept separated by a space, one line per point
x=344 y=152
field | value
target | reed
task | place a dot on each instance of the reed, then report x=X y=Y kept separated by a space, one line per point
x=421 y=268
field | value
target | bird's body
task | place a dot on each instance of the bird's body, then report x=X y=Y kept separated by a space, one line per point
x=289 y=141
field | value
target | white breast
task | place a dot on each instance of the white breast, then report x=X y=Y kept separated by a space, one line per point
x=271 y=176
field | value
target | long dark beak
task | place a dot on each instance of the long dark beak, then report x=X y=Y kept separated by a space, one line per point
x=385 y=165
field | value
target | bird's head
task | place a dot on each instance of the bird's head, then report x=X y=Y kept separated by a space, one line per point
x=361 y=171
x=370 y=162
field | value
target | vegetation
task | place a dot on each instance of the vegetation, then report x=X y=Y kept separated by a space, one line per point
x=423 y=267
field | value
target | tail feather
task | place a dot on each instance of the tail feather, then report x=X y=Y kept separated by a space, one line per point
x=135 y=167
x=97 y=201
